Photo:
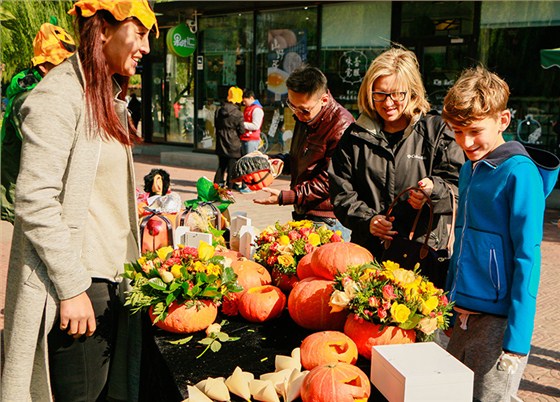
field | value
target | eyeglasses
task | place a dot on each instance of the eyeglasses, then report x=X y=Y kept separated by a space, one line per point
x=382 y=96
x=304 y=112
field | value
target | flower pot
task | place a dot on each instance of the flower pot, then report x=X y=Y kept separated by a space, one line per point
x=367 y=334
x=184 y=320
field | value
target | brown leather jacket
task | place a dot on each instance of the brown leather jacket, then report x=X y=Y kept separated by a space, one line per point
x=313 y=145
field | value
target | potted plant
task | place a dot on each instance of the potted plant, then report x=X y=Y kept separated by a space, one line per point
x=181 y=288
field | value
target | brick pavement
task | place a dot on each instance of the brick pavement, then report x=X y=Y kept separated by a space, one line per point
x=541 y=381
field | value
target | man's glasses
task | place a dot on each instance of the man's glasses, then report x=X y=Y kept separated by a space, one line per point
x=382 y=96
x=304 y=112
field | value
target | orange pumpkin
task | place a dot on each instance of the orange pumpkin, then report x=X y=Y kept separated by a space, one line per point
x=227 y=253
x=331 y=258
x=327 y=347
x=185 y=320
x=304 y=267
x=367 y=334
x=250 y=273
x=308 y=305
x=262 y=303
x=335 y=382
x=259 y=179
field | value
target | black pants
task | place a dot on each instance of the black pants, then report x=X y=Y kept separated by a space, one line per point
x=79 y=368
x=225 y=166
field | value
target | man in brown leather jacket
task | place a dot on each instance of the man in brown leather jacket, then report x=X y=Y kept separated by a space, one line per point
x=320 y=123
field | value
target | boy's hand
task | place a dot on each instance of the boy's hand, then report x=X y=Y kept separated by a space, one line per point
x=416 y=198
x=508 y=362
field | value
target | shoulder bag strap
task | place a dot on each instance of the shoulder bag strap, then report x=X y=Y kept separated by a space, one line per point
x=425 y=246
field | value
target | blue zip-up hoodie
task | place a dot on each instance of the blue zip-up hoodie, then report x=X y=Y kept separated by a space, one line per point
x=495 y=268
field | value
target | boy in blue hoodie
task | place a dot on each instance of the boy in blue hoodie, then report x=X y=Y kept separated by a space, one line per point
x=494 y=274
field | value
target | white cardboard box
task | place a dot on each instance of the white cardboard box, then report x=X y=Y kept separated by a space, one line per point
x=420 y=372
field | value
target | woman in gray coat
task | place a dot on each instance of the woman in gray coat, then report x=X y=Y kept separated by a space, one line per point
x=76 y=221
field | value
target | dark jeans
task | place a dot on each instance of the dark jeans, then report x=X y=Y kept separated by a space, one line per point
x=79 y=368
x=225 y=166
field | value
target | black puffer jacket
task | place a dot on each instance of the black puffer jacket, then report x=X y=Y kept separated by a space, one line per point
x=228 y=121
x=365 y=176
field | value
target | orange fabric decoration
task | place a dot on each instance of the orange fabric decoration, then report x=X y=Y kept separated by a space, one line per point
x=52 y=44
x=120 y=9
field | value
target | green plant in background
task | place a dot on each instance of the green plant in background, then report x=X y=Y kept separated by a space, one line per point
x=20 y=22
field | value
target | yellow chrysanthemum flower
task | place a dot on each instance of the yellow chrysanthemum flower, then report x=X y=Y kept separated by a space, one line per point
x=284 y=240
x=429 y=305
x=205 y=251
x=404 y=276
x=213 y=269
x=314 y=239
x=286 y=260
x=176 y=270
x=142 y=260
x=390 y=265
x=163 y=252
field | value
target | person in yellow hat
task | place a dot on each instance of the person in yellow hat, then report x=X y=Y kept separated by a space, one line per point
x=51 y=46
x=75 y=219
x=228 y=121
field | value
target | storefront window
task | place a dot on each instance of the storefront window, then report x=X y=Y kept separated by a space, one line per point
x=437 y=18
x=508 y=37
x=350 y=41
x=225 y=60
x=180 y=84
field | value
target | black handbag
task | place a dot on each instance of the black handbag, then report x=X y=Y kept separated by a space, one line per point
x=407 y=252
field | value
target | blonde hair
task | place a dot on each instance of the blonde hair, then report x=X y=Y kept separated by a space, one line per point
x=477 y=94
x=404 y=64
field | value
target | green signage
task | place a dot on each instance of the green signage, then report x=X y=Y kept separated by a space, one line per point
x=181 y=41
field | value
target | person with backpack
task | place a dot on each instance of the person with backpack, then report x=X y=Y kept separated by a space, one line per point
x=51 y=46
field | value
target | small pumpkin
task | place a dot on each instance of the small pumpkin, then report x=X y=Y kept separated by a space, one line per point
x=367 y=334
x=304 y=267
x=185 y=320
x=335 y=382
x=250 y=273
x=327 y=347
x=333 y=258
x=308 y=305
x=262 y=303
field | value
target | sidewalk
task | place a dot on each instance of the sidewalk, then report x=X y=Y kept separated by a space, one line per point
x=541 y=381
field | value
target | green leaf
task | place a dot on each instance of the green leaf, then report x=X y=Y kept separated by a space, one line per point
x=181 y=341
x=171 y=297
x=157 y=284
x=233 y=338
x=222 y=337
x=206 y=341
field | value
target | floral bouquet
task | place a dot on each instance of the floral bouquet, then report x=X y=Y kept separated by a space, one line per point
x=280 y=247
x=185 y=275
x=389 y=295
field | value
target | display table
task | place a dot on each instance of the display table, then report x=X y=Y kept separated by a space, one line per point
x=169 y=368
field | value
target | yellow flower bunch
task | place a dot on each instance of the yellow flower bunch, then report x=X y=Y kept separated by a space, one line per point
x=387 y=294
x=185 y=274
x=280 y=247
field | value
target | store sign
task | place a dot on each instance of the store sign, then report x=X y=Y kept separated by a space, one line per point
x=352 y=66
x=181 y=41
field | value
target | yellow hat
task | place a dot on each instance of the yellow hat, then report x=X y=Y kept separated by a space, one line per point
x=235 y=95
x=52 y=44
x=120 y=9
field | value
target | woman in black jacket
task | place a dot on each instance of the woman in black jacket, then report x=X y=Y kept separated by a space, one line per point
x=228 y=122
x=394 y=144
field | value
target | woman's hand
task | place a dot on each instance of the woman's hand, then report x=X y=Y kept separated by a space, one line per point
x=416 y=198
x=380 y=226
x=77 y=317
x=272 y=199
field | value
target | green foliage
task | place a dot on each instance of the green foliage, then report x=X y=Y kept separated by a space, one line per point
x=17 y=33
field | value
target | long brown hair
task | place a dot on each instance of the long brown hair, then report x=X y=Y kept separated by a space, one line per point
x=99 y=84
